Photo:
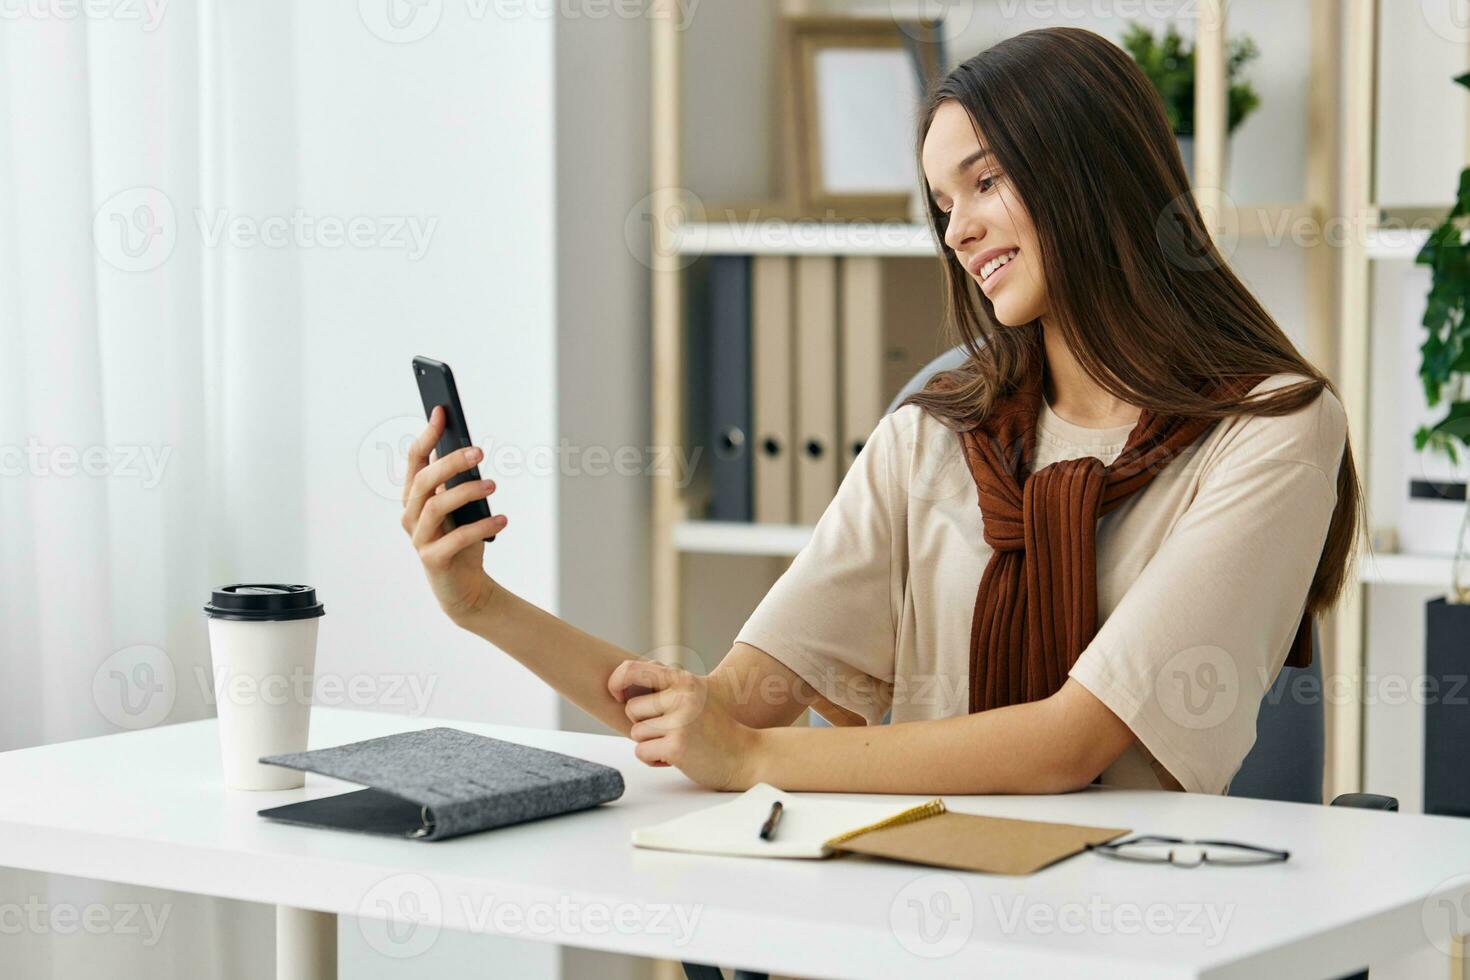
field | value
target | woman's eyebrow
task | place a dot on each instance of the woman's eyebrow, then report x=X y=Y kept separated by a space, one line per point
x=967 y=162
x=961 y=167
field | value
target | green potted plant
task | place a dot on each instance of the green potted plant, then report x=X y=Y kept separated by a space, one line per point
x=1168 y=61
x=1444 y=367
x=1444 y=364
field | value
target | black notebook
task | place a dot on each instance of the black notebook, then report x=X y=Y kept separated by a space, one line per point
x=443 y=782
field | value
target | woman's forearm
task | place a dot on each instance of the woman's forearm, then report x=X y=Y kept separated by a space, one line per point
x=1054 y=745
x=574 y=662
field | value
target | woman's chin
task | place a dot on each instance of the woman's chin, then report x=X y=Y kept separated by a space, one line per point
x=1007 y=316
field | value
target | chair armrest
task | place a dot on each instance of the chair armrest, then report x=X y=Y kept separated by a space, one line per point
x=1367 y=801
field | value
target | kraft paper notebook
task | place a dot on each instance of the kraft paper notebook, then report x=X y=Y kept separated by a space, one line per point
x=443 y=782
x=928 y=834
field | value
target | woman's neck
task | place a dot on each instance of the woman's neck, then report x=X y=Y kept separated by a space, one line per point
x=1073 y=394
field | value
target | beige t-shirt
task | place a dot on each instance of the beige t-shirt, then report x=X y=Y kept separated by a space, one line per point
x=1202 y=579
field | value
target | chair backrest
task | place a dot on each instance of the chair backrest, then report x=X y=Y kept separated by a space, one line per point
x=1286 y=761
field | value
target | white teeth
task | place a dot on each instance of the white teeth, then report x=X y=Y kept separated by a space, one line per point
x=996 y=263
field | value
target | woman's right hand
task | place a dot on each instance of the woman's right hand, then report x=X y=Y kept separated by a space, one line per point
x=452 y=556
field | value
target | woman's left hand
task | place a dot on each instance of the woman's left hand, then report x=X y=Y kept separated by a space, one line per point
x=677 y=722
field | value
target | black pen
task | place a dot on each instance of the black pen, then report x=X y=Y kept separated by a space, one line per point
x=768 y=829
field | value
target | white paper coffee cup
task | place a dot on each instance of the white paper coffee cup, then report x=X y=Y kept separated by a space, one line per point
x=262 y=645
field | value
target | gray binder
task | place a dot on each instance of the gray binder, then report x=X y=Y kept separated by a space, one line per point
x=443 y=782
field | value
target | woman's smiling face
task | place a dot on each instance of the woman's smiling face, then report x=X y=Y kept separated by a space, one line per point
x=989 y=228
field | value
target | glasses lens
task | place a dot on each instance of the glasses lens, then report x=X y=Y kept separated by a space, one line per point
x=1225 y=854
x=1145 y=851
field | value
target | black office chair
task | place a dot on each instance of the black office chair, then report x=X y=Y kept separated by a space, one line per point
x=1286 y=762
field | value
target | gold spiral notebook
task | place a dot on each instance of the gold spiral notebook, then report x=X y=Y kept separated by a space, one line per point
x=928 y=834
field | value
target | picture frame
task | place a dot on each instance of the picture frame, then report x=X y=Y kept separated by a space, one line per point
x=852 y=86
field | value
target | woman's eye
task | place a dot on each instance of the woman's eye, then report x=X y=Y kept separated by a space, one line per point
x=986 y=182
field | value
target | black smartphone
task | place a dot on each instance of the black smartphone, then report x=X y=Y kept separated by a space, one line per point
x=436 y=387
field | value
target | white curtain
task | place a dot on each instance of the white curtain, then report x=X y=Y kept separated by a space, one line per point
x=139 y=371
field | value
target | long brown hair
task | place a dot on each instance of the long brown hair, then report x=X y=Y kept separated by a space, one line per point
x=1135 y=284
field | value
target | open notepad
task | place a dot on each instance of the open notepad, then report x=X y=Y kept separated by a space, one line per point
x=928 y=834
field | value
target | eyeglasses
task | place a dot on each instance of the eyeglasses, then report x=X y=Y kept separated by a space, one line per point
x=1188 y=853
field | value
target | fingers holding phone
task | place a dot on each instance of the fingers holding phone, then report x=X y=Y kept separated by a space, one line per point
x=446 y=513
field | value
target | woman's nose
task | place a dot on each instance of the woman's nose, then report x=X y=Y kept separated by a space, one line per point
x=961 y=229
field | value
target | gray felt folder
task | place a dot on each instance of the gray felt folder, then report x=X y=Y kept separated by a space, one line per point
x=442 y=782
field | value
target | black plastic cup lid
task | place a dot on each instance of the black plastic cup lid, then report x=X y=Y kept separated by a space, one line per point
x=264 y=603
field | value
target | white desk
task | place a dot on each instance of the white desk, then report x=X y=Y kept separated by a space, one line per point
x=147 y=807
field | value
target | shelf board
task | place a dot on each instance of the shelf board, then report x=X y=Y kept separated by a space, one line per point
x=1396 y=243
x=1399 y=569
x=740 y=538
x=781 y=237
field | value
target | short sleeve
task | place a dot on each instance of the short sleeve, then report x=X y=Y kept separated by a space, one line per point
x=1189 y=651
x=831 y=616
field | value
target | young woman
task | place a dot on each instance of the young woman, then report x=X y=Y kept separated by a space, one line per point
x=1083 y=556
